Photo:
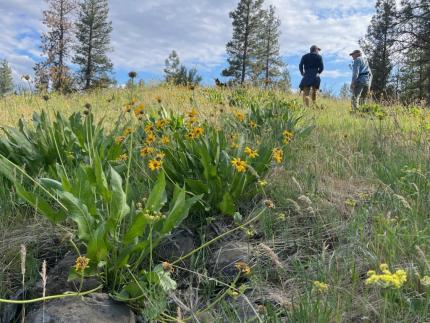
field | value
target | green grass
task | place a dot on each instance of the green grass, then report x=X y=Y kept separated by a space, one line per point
x=352 y=195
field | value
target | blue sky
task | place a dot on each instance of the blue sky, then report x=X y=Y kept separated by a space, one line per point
x=146 y=31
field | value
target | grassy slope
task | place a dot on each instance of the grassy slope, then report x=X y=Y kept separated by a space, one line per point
x=368 y=182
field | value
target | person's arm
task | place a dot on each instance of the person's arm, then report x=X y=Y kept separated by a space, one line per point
x=355 y=72
x=301 y=66
x=321 y=67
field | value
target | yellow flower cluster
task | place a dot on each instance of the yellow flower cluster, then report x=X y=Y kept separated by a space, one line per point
x=146 y=151
x=320 y=286
x=243 y=268
x=278 y=155
x=251 y=153
x=239 y=165
x=161 y=123
x=387 y=278
x=81 y=263
x=288 y=136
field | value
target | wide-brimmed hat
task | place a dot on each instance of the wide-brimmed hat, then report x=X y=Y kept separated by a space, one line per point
x=315 y=47
x=357 y=51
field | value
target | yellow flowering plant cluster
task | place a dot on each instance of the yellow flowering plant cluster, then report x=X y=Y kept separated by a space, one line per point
x=386 y=278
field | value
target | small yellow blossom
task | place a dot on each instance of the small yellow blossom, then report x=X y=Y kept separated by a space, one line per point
x=278 y=155
x=242 y=267
x=149 y=128
x=191 y=135
x=234 y=145
x=150 y=138
x=240 y=116
x=425 y=281
x=193 y=113
x=320 y=286
x=154 y=164
x=146 y=151
x=269 y=204
x=161 y=123
x=81 y=263
x=288 y=136
x=127 y=108
x=167 y=267
x=119 y=139
x=127 y=132
x=239 y=164
x=252 y=124
x=160 y=156
x=198 y=131
x=251 y=153
x=122 y=157
x=165 y=140
x=262 y=182
x=138 y=110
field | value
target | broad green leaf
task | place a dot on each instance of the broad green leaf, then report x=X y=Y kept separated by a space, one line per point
x=137 y=228
x=118 y=205
x=157 y=198
x=227 y=205
x=97 y=249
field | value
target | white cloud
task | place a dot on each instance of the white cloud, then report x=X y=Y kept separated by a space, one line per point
x=146 y=31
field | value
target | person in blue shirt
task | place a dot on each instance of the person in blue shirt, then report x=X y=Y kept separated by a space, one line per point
x=361 y=79
x=311 y=66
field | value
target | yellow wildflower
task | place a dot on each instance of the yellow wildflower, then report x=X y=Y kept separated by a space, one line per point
x=288 y=136
x=150 y=138
x=240 y=116
x=149 y=128
x=251 y=153
x=127 y=131
x=165 y=140
x=387 y=278
x=138 y=110
x=191 y=135
x=122 y=157
x=239 y=164
x=119 y=139
x=146 y=151
x=81 y=263
x=127 y=108
x=242 y=267
x=252 y=124
x=192 y=114
x=262 y=183
x=167 y=266
x=154 y=164
x=160 y=156
x=320 y=286
x=278 y=155
x=161 y=123
x=198 y=131
x=269 y=204
x=234 y=145
x=425 y=281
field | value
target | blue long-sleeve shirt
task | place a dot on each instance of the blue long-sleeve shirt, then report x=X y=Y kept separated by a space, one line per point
x=361 y=72
x=310 y=65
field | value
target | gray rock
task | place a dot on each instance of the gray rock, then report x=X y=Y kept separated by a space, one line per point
x=178 y=244
x=97 y=308
x=227 y=254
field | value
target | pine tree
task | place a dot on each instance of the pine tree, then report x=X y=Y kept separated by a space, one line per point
x=172 y=64
x=243 y=48
x=57 y=42
x=6 y=81
x=378 y=44
x=93 y=31
x=414 y=40
x=284 y=80
x=269 y=57
x=178 y=74
x=41 y=77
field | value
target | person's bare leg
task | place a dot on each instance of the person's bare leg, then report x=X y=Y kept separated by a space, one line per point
x=314 y=96
x=306 y=99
